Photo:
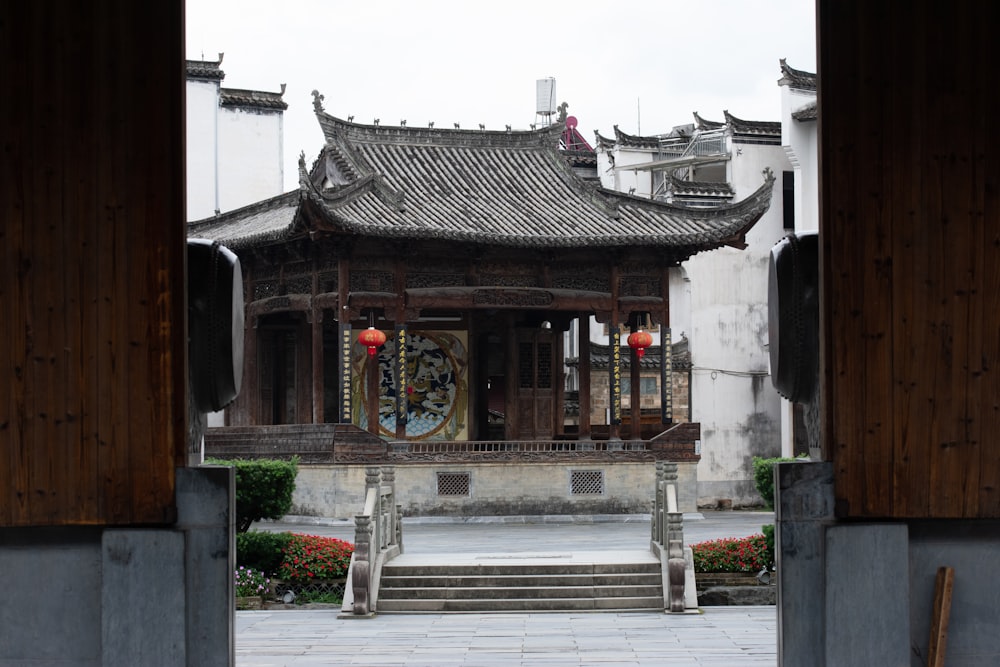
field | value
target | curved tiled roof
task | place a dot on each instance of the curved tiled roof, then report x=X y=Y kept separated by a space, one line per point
x=636 y=141
x=502 y=188
x=796 y=78
x=703 y=124
x=206 y=69
x=253 y=99
x=739 y=126
x=762 y=127
x=498 y=188
x=602 y=141
x=807 y=113
x=262 y=222
x=700 y=188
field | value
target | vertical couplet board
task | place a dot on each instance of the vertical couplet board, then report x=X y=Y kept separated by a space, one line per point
x=615 y=373
x=344 y=377
x=402 y=395
x=910 y=259
x=666 y=377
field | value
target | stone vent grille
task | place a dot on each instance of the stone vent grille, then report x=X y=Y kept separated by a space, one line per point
x=453 y=483
x=584 y=482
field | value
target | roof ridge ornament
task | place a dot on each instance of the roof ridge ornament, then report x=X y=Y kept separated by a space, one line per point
x=303 y=174
x=318 y=102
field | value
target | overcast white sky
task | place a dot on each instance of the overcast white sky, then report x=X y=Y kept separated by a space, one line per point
x=645 y=66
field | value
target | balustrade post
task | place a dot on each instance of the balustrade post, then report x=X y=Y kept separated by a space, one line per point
x=675 y=562
x=361 y=570
x=659 y=501
x=389 y=479
x=373 y=483
x=398 y=537
x=675 y=540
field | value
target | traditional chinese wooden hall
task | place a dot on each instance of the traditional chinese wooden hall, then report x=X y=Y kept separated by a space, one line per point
x=409 y=301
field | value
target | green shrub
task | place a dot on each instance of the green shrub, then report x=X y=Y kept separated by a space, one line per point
x=310 y=557
x=768 y=530
x=731 y=554
x=763 y=477
x=263 y=489
x=261 y=550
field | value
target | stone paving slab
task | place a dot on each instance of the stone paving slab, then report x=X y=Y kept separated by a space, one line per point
x=720 y=636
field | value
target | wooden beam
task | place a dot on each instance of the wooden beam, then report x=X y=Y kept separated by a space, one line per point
x=943 y=586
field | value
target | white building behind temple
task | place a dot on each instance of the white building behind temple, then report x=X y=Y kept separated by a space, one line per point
x=719 y=299
x=234 y=142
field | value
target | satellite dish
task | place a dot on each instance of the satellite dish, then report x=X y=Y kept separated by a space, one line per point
x=571 y=122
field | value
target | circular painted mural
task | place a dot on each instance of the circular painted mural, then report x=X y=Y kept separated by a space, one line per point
x=435 y=388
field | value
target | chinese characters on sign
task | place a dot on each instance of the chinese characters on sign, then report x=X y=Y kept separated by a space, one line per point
x=345 y=374
x=402 y=390
x=666 y=377
x=615 y=369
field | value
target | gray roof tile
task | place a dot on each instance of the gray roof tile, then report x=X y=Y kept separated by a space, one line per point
x=499 y=188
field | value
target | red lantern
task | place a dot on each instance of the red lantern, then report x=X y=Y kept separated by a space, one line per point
x=373 y=339
x=639 y=341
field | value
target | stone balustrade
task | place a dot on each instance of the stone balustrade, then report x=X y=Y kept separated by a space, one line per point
x=667 y=539
x=378 y=539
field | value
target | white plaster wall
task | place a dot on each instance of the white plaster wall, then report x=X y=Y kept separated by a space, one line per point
x=496 y=489
x=202 y=105
x=731 y=391
x=801 y=142
x=250 y=156
x=621 y=179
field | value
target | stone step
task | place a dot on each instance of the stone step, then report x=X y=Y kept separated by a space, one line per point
x=528 y=580
x=440 y=605
x=490 y=567
x=517 y=592
x=497 y=586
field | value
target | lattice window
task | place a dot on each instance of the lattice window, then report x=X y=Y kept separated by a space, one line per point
x=586 y=482
x=544 y=366
x=526 y=361
x=453 y=483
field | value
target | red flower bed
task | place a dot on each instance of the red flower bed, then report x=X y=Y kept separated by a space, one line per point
x=745 y=554
x=310 y=557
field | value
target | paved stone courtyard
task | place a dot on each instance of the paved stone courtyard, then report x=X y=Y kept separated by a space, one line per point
x=720 y=636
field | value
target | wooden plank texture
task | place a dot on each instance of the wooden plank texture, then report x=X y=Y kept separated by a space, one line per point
x=910 y=250
x=92 y=421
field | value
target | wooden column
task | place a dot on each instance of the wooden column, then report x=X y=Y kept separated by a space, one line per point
x=583 y=371
x=558 y=384
x=510 y=379
x=303 y=373
x=250 y=392
x=372 y=380
x=317 y=354
x=635 y=385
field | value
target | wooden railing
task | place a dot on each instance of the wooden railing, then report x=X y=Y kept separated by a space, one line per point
x=668 y=536
x=378 y=538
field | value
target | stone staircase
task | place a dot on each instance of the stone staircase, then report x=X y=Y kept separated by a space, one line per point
x=509 y=583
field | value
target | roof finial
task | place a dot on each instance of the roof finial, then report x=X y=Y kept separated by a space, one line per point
x=303 y=174
x=317 y=102
x=562 y=112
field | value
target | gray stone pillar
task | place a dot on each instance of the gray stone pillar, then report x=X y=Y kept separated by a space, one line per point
x=803 y=509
